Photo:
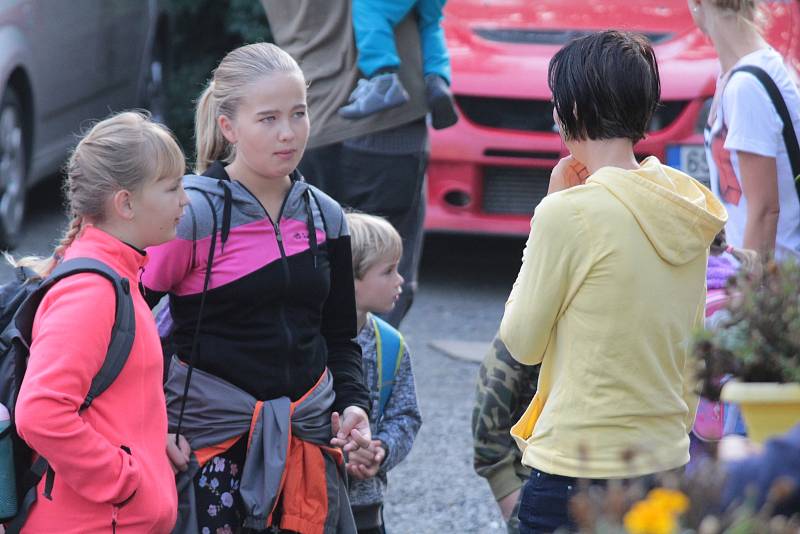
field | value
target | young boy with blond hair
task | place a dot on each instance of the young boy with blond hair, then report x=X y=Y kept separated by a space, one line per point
x=394 y=416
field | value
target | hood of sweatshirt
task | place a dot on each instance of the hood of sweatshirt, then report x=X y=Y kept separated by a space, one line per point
x=679 y=216
x=217 y=183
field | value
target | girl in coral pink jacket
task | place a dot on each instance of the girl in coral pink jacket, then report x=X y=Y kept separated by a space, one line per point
x=112 y=471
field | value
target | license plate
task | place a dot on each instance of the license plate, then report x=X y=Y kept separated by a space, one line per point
x=691 y=159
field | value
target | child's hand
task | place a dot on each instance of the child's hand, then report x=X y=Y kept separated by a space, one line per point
x=351 y=430
x=365 y=463
x=567 y=173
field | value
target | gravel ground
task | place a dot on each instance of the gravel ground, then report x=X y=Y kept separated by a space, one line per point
x=463 y=286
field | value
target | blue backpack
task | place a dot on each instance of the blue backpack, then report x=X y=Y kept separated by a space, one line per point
x=390 y=348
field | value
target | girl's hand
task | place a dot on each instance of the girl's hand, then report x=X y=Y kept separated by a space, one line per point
x=179 y=454
x=567 y=173
x=351 y=430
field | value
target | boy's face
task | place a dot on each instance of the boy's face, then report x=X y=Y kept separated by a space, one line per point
x=379 y=288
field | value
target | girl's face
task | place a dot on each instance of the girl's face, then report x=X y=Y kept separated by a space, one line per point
x=379 y=288
x=270 y=129
x=156 y=210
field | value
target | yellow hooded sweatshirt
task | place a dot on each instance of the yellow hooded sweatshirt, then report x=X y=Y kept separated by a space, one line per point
x=610 y=293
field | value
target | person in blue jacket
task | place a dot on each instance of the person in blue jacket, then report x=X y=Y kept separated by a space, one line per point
x=379 y=62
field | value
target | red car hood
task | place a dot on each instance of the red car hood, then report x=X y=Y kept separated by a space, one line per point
x=503 y=47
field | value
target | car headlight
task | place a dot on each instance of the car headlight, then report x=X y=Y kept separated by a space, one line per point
x=702 y=117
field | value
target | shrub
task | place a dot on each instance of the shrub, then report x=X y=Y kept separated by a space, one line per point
x=203 y=31
x=759 y=340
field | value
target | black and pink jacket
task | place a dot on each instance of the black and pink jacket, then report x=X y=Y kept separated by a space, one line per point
x=280 y=306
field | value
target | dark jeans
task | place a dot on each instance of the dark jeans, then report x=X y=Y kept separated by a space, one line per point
x=544 y=504
x=389 y=185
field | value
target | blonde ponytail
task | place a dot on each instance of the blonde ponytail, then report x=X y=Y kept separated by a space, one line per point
x=74 y=229
x=749 y=12
x=739 y=6
x=210 y=144
x=41 y=267
x=224 y=93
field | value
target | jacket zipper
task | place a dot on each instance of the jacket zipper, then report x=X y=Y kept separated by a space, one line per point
x=142 y=289
x=114 y=515
x=284 y=260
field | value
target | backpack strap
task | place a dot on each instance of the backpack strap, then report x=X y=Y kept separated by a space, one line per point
x=123 y=331
x=390 y=348
x=789 y=135
x=119 y=347
x=30 y=481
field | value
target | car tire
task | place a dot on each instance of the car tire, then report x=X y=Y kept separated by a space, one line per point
x=155 y=88
x=13 y=169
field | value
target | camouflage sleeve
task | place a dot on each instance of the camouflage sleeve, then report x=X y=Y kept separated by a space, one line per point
x=505 y=388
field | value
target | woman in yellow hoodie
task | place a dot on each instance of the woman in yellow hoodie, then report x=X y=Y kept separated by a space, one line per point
x=611 y=288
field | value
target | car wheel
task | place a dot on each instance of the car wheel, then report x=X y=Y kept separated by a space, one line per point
x=155 y=95
x=13 y=169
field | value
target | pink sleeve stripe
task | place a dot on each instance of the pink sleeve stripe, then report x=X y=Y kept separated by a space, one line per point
x=249 y=247
x=167 y=264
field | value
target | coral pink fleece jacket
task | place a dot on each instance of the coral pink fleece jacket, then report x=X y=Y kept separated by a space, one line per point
x=94 y=475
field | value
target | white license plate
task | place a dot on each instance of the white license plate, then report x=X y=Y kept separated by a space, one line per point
x=691 y=159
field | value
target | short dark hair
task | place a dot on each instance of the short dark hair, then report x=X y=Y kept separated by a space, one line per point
x=605 y=85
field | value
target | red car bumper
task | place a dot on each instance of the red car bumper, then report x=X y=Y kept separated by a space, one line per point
x=484 y=179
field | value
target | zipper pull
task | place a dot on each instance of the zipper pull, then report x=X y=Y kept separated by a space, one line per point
x=114 y=515
x=142 y=289
x=277 y=232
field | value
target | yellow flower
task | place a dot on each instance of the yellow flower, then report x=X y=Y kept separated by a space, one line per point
x=649 y=517
x=673 y=501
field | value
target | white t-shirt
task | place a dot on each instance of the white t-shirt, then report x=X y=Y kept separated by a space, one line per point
x=746 y=120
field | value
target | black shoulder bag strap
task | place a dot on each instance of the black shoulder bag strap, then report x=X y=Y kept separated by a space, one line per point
x=789 y=135
x=206 y=281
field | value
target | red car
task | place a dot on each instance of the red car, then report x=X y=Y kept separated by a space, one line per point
x=489 y=171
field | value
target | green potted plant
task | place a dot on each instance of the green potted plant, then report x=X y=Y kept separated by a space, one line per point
x=757 y=342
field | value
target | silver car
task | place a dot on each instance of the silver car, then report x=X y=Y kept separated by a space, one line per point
x=63 y=63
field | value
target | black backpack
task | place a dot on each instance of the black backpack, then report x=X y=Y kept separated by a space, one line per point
x=19 y=301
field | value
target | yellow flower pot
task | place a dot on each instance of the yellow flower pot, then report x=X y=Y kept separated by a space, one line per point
x=769 y=409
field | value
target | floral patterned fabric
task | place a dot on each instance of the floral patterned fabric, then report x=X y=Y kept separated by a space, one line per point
x=219 y=506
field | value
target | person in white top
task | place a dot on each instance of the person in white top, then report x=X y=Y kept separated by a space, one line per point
x=750 y=167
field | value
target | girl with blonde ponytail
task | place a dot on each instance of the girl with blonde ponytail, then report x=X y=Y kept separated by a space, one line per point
x=753 y=159
x=262 y=304
x=112 y=467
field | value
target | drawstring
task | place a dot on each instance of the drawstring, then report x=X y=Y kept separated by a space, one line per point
x=226 y=213
x=312 y=230
x=206 y=281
